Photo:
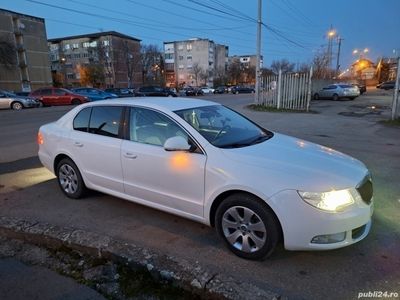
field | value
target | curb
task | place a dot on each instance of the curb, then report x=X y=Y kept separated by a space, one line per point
x=190 y=277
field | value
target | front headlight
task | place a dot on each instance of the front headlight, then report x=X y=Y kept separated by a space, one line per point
x=332 y=201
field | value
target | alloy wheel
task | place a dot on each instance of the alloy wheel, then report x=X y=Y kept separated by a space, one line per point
x=68 y=179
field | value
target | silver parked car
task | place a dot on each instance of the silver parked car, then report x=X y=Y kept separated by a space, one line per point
x=338 y=91
x=10 y=100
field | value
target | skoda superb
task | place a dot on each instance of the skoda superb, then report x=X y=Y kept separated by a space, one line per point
x=202 y=161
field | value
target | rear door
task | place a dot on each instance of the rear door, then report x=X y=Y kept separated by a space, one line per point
x=96 y=146
x=62 y=97
x=46 y=96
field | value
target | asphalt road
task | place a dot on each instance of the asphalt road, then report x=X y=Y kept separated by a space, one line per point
x=21 y=282
x=28 y=190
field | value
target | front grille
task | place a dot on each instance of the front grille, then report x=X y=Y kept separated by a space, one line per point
x=366 y=190
x=357 y=232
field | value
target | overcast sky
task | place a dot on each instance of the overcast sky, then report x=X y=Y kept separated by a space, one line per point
x=296 y=28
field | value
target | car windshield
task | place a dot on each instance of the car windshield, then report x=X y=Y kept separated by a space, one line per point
x=8 y=94
x=345 y=86
x=223 y=127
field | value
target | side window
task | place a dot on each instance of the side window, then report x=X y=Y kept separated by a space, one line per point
x=151 y=127
x=81 y=121
x=45 y=92
x=59 y=92
x=105 y=120
x=332 y=87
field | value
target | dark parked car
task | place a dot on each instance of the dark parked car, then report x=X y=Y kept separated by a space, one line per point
x=155 y=91
x=192 y=91
x=120 y=92
x=387 y=85
x=361 y=86
x=94 y=94
x=57 y=96
x=221 y=90
x=242 y=90
x=25 y=94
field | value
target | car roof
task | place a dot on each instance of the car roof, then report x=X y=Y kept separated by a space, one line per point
x=161 y=103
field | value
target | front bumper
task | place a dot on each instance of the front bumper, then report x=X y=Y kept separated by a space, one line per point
x=302 y=222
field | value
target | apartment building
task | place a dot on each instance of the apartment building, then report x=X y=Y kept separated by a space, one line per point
x=194 y=62
x=24 y=61
x=112 y=58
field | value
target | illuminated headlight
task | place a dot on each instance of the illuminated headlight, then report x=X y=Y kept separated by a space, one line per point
x=332 y=201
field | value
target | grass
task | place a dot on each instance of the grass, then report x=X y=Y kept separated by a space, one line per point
x=260 y=107
x=393 y=123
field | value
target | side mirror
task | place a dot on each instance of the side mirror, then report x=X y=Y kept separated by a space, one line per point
x=176 y=143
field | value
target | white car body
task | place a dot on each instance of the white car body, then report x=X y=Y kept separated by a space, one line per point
x=274 y=171
x=207 y=90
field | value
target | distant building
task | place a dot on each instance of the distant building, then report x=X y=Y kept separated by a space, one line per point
x=363 y=69
x=116 y=55
x=194 y=62
x=246 y=61
x=24 y=65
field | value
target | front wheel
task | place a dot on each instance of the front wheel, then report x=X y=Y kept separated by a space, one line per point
x=70 y=179
x=249 y=227
x=75 y=102
x=17 y=106
x=335 y=97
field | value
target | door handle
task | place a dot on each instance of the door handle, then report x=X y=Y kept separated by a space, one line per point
x=130 y=155
x=78 y=144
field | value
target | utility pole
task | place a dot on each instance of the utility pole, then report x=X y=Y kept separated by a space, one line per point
x=258 y=71
x=338 y=56
x=395 y=103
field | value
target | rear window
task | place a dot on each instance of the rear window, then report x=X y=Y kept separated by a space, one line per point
x=81 y=121
x=105 y=120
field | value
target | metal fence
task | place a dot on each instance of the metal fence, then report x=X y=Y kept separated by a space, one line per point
x=287 y=91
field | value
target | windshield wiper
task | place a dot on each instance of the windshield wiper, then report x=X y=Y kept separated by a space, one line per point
x=257 y=140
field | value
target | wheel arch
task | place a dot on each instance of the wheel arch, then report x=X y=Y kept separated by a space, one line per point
x=58 y=158
x=15 y=101
x=222 y=196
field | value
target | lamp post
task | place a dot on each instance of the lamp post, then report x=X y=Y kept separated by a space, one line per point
x=62 y=62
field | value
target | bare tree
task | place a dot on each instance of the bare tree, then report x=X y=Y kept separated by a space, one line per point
x=92 y=75
x=235 y=72
x=152 y=64
x=7 y=53
x=321 y=68
x=220 y=77
x=283 y=65
x=198 y=72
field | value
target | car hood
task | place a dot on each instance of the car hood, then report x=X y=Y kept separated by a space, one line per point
x=293 y=163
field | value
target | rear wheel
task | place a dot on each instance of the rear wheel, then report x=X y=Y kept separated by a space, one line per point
x=335 y=97
x=248 y=226
x=41 y=103
x=17 y=106
x=316 y=96
x=75 y=102
x=70 y=179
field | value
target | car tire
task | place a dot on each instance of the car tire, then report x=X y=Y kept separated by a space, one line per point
x=69 y=179
x=235 y=217
x=16 y=105
x=316 y=96
x=76 y=102
x=41 y=104
x=335 y=97
x=237 y=92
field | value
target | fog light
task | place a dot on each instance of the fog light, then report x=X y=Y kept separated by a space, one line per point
x=329 y=238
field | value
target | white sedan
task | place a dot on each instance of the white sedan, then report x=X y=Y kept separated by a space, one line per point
x=203 y=161
x=207 y=90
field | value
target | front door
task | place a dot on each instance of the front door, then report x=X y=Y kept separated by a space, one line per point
x=165 y=179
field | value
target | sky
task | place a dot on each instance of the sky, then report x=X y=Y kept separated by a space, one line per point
x=294 y=29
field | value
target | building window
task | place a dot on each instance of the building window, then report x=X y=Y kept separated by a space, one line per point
x=106 y=43
x=75 y=46
x=188 y=66
x=66 y=47
x=71 y=76
x=189 y=47
x=85 y=44
x=54 y=47
x=180 y=57
x=189 y=57
x=180 y=67
x=180 y=47
x=169 y=56
x=85 y=54
x=93 y=44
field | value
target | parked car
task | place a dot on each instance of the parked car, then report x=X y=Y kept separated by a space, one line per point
x=13 y=101
x=121 y=92
x=387 y=85
x=207 y=90
x=57 y=96
x=155 y=91
x=192 y=91
x=338 y=91
x=361 y=86
x=221 y=90
x=25 y=94
x=94 y=94
x=203 y=161
x=242 y=90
